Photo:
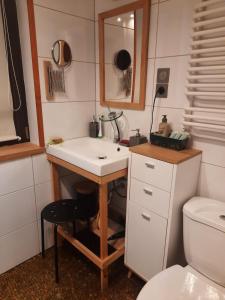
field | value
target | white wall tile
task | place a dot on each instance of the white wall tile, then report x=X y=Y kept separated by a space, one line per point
x=49 y=235
x=177 y=82
x=131 y=120
x=18 y=246
x=211 y=182
x=150 y=88
x=78 y=7
x=153 y=31
x=79 y=82
x=52 y=25
x=212 y=151
x=104 y=5
x=41 y=168
x=15 y=175
x=67 y=120
x=174 y=29
x=44 y=196
x=17 y=210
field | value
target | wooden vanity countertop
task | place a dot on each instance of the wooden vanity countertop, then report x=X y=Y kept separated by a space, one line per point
x=164 y=154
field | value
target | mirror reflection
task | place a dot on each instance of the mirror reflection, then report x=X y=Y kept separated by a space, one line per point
x=61 y=53
x=123 y=41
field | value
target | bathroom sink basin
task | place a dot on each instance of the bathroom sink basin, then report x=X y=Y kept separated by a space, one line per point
x=98 y=156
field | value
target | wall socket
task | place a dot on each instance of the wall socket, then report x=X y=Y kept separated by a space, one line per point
x=163 y=75
x=165 y=86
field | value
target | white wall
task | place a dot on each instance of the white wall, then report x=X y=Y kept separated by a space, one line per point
x=169 y=46
x=68 y=115
x=25 y=184
x=21 y=199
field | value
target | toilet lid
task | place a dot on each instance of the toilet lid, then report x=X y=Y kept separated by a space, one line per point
x=178 y=283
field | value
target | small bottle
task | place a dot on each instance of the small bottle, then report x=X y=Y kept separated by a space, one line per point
x=164 y=127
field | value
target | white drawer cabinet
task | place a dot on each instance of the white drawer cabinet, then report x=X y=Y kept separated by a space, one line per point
x=152 y=171
x=150 y=250
x=150 y=197
x=157 y=191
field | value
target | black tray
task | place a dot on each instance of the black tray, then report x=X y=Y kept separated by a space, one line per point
x=167 y=142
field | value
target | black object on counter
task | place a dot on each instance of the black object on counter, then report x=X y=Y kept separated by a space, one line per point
x=93 y=129
x=167 y=142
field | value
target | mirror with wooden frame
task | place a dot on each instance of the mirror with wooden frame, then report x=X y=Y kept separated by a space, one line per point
x=123 y=51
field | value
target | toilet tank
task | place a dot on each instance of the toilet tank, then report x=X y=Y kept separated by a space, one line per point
x=204 y=237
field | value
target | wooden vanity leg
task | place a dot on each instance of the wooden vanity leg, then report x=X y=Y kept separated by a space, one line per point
x=103 y=220
x=56 y=192
x=55 y=182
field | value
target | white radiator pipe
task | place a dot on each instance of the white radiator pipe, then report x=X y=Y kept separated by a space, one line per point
x=206 y=85
x=213 y=21
x=208 y=41
x=207 y=59
x=207 y=50
x=204 y=125
x=208 y=31
x=204 y=4
x=187 y=116
x=206 y=68
x=203 y=76
x=209 y=12
x=214 y=94
x=204 y=136
x=207 y=110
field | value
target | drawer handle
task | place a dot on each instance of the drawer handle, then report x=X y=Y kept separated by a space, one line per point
x=148 y=192
x=146 y=217
x=149 y=165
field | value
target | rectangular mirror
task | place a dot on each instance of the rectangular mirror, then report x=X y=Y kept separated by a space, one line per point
x=123 y=51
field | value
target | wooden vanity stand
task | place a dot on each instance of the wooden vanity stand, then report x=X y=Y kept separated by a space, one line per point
x=104 y=260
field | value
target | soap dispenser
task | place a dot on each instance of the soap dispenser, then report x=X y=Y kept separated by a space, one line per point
x=137 y=139
x=164 y=127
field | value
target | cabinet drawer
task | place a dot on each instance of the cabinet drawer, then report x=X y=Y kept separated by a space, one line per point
x=152 y=171
x=150 y=197
x=145 y=245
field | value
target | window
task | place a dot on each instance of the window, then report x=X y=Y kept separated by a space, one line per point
x=13 y=111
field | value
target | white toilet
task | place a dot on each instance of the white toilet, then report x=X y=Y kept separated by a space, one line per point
x=204 y=243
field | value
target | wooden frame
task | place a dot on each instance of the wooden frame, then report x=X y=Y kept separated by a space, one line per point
x=34 y=54
x=104 y=260
x=145 y=5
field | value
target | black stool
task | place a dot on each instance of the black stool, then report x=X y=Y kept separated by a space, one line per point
x=59 y=212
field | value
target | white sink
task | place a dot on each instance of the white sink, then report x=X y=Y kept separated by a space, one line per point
x=98 y=156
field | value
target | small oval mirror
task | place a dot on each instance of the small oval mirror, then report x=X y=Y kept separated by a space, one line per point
x=61 y=53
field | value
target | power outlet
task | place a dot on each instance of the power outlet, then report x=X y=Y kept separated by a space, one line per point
x=165 y=86
x=163 y=75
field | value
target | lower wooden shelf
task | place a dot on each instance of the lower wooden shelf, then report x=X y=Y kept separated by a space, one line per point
x=88 y=243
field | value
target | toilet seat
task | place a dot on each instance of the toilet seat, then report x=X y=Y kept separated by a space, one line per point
x=178 y=283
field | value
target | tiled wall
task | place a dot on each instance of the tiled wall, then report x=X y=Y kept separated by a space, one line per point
x=22 y=197
x=68 y=115
x=25 y=185
x=169 y=46
x=24 y=190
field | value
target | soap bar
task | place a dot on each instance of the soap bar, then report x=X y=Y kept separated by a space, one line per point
x=56 y=140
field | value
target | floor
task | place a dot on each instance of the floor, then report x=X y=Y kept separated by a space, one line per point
x=79 y=279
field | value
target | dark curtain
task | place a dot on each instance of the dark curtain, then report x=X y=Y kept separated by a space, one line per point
x=12 y=42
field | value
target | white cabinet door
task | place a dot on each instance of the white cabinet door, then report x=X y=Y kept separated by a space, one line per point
x=146 y=233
